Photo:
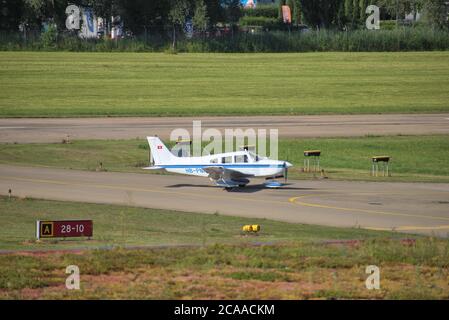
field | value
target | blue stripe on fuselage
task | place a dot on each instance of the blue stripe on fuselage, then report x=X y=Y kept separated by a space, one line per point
x=224 y=165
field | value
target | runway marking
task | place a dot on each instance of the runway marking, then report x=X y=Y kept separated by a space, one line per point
x=294 y=200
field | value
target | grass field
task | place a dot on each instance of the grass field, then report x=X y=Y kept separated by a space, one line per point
x=414 y=158
x=47 y=84
x=286 y=261
x=130 y=226
x=289 y=271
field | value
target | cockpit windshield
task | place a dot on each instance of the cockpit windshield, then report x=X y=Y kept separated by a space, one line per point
x=253 y=156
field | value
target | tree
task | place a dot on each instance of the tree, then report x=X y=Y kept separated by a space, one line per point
x=281 y=3
x=35 y=12
x=355 y=12
x=352 y=12
x=321 y=13
x=179 y=10
x=232 y=11
x=297 y=12
x=200 y=19
x=291 y=4
x=141 y=15
x=349 y=11
x=363 y=4
x=11 y=14
x=436 y=13
x=399 y=8
x=214 y=11
x=341 y=19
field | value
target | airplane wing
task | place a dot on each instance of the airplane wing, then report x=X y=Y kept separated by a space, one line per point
x=227 y=177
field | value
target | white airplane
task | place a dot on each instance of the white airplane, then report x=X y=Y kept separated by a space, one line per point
x=228 y=170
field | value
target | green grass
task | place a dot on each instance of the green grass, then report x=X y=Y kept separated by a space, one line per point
x=285 y=261
x=59 y=84
x=414 y=158
x=116 y=155
x=129 y=226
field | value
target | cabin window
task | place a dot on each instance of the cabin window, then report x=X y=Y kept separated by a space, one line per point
x=214 y=160
x=241 y=158
x=226 y=160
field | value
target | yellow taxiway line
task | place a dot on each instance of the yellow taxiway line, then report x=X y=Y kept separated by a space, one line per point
x=363 y=211
x=294 y=200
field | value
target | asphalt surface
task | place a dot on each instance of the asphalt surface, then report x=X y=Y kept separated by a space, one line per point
x=55 y=130
x=405 y=207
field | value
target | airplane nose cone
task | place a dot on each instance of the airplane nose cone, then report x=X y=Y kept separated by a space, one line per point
x=287 y=164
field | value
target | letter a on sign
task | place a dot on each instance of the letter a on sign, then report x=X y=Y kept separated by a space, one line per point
x=46 y=229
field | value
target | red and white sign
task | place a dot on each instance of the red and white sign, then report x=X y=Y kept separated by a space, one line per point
x=64 y=228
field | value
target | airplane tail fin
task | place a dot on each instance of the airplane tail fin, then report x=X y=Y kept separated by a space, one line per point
x=159 y=151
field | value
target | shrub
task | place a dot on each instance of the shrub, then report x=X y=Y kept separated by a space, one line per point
x=416 y=38
x=267 y=11
x=388 y=24
x=266 y=23
x=49 y=37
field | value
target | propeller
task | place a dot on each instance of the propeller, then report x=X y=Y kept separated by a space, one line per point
x=286 y=168
x=285 y=172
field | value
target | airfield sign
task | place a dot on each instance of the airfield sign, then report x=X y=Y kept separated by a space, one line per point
x=64 y=229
